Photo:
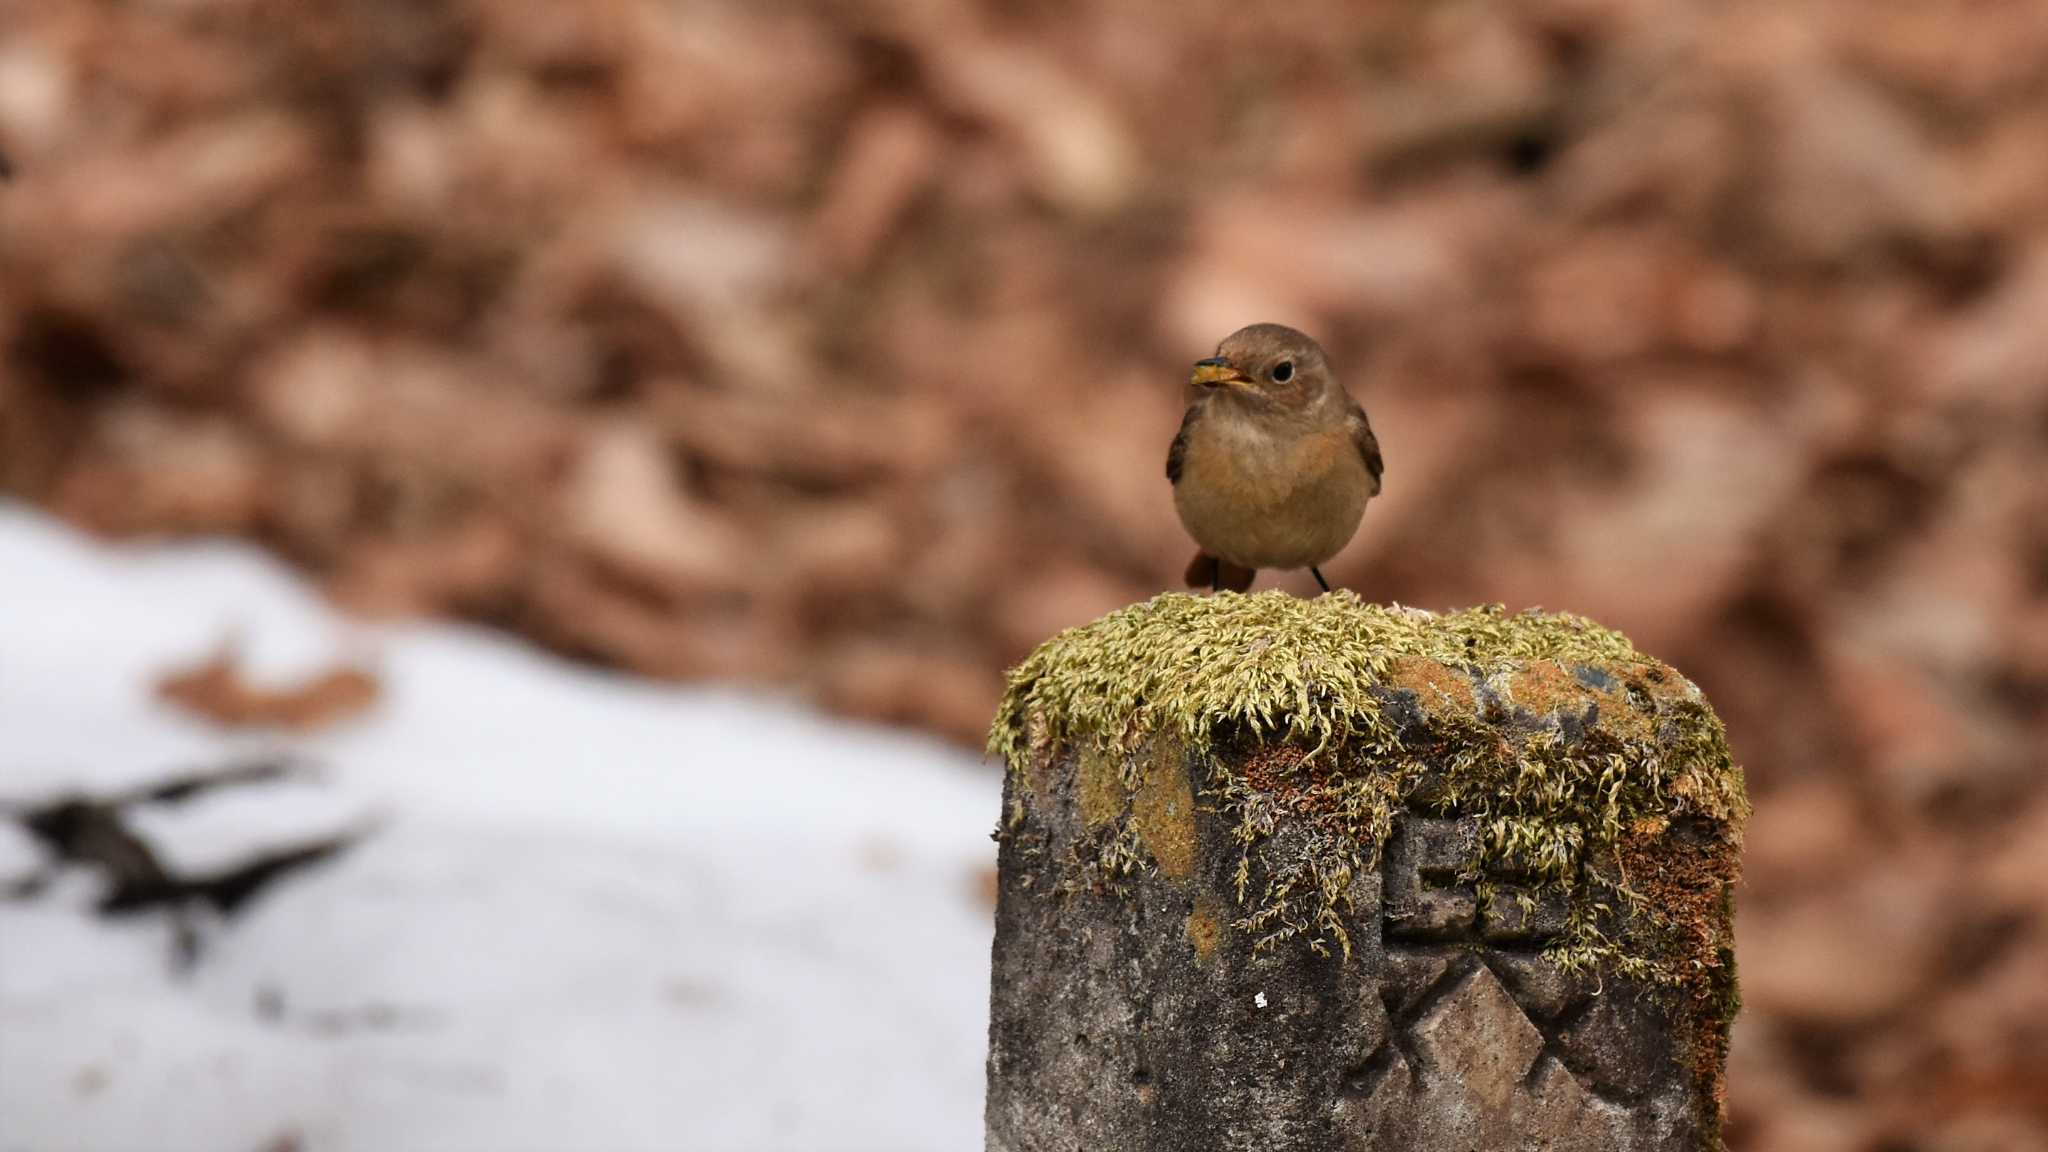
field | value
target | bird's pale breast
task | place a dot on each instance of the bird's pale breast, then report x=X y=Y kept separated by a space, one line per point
x=1262 y=498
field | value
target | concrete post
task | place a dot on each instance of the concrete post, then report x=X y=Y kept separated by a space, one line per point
x=1315 y=874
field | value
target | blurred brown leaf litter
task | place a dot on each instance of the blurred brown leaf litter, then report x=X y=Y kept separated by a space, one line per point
x=838 y=346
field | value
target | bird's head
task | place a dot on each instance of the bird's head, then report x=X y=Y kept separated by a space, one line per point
x=1266 y=365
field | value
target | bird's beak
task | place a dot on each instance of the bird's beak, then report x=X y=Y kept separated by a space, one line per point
x=1216 y=372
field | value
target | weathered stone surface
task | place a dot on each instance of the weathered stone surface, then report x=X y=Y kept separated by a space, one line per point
x=1145 y=1021
x=1512 y=915
x=1191 y=957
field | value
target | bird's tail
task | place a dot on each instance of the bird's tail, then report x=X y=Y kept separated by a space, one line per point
x=1206 y=571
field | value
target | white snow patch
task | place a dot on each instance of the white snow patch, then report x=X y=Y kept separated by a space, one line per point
x=590 y=911
x=20 y=856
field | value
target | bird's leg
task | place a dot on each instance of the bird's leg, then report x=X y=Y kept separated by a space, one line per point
x=1318 y=574
x=1216 y=578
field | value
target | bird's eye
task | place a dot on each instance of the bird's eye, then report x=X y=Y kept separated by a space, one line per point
x=1283 y=372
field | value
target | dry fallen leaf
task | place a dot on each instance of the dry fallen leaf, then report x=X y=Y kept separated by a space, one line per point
x=216 y=690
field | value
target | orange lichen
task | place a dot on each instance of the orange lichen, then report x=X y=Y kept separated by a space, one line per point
x=1101 y=788
x=1037 y=771
x=1205 y=928
x=1546 y=687
x=1163 y=811
x=1436 y=687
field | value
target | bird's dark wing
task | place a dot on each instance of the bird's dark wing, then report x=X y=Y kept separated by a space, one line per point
x=1178 y=454
x=1368 y=444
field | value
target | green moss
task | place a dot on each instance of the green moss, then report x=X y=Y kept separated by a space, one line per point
x=1571 y=748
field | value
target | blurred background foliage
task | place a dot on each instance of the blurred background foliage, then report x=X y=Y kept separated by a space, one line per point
x=836 y=347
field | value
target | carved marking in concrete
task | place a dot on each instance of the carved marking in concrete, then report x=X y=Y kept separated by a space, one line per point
x=1481 y=1024
x=1482 y=1072
x=1425 y=900
x=1429 y=900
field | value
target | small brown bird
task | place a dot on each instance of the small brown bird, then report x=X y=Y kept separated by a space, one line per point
x=1274 y=462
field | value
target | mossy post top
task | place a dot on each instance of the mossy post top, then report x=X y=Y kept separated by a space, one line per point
x=1557 y=733
x=1331 y=671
